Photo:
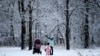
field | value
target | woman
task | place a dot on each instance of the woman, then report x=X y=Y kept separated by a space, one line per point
x=37 y=46
x=51 y=42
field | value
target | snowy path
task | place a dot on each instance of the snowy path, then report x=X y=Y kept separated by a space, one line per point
x=58 y=51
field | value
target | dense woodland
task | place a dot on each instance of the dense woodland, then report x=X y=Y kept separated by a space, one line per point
x=73 y=23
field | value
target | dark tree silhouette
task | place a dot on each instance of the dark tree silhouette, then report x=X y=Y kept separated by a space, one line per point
x=30 y=25
x=86 y=25
x=23 y=28
x=67 y=25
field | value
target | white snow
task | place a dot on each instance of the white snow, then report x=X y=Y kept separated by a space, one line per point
x=58 y=51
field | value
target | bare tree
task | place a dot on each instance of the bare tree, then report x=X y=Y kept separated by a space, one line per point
x=9 y=13
x=67 y=26
x=30 y=25
x=86 y=25
x=23 y=28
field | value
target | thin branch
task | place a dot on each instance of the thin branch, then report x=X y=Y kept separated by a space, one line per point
x=73 y=11
x=97 y=3
x=60 y=33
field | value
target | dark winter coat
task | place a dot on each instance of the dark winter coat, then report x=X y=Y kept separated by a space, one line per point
x=37 y=44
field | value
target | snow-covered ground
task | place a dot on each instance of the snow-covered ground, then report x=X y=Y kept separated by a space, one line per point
x=58 y=51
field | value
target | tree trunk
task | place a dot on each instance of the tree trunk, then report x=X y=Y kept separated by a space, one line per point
x=12 y=35
x=86 y=26
x=23 y=32
x=92 y=40
x=57 y=35
x=30 y=26
x=23 y=28
x=67 y=26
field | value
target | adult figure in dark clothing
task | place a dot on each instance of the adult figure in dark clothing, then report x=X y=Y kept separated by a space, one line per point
x=37 y=46
x=51 y=42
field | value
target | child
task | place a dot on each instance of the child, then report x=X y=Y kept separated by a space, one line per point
x=47 y=50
